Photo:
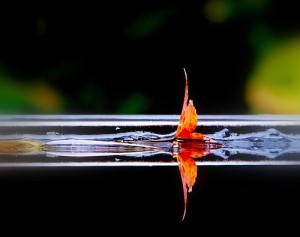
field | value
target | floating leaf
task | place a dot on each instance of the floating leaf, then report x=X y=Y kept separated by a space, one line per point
x=189 y=119
x=185 y=131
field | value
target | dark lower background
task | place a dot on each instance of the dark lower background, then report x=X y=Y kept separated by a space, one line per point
x=225 y=200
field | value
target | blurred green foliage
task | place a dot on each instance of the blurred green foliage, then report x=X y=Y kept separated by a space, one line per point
x=134 y=104
x=274 y=85
x=32 y=96
x=262 y=39
x=148 y=23
x=50 y=63
x=220 y=11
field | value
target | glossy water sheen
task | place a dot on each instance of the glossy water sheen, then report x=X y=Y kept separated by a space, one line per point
x=146 y=140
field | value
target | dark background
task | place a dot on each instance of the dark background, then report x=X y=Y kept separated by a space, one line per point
x=225 y=200
x=126 y=58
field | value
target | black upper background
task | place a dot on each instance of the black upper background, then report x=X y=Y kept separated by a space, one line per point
x=217 y=57
x=91 y=38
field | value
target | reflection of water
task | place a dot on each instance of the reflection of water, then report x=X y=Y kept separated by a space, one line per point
x=143 y=148
x=101 y=140
x=268 y=144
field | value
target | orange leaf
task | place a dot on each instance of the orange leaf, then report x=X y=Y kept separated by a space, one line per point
x=188 y=170
x=187 y=125
x=188 y=119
